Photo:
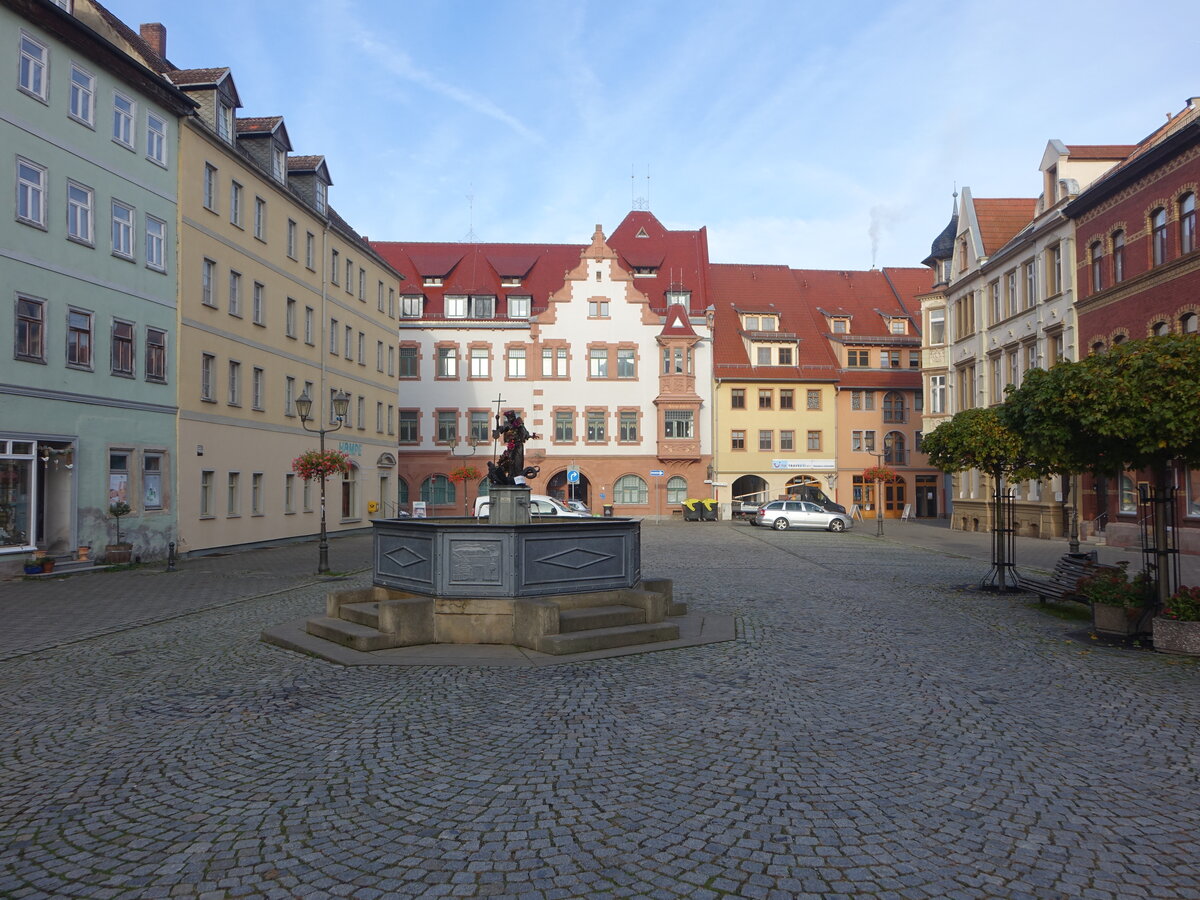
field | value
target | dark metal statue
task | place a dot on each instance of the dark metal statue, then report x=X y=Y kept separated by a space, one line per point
x=510 y=468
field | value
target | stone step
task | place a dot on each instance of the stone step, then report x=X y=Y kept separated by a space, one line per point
x=349 y=634
x=588 y=618
x=607 y=638
x=361 y=613
x=677 y=608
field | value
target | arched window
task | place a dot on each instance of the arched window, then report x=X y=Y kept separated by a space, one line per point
x=893 y=407
x=484 y=487
x=350 y=493
x=1160 y=328
x=1118 y=254
x=1158 y=236
x=1187 y=223
x=1096 y=252
x=676 y=489
x=630 y=489
x=438 y=490
x=1187 y=323
x=894 y=450
x=1097 y=347
x=1118 y=339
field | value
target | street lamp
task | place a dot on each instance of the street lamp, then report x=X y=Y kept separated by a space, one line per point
x=341 y=405
x=887 y=450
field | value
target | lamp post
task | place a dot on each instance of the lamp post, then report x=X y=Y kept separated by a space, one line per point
x=887 y=450
x=341 y=405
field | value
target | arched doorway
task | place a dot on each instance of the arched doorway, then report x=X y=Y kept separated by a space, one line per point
x=751 y=489
x=557 y=487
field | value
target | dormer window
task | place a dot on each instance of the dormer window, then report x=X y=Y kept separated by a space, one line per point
x=645 y=271
x=279 y=164
x=750 y=323
x=432 y=281
x=510 y=281
x=840 y=326
x=683 y=298
x=321 y=197
x=520 y=307
x=410 y=306
x=768 y=323
x=224 y=121
x=899 y=326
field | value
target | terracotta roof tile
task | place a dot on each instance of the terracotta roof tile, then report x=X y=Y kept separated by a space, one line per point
x=259 y=125
x=304 y=163
x=1000 y=220
x=1100 y=151
x=196 y=77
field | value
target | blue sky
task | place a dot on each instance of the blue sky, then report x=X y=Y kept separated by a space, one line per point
x=816 y=135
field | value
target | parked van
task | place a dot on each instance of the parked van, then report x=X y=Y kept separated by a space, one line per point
x=816 y=495
x=540 y=506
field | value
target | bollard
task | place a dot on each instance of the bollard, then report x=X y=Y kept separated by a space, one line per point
x=171 y=556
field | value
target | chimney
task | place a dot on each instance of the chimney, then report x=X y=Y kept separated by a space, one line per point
x=155 y=34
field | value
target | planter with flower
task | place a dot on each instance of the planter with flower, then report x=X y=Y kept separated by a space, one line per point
x=320 y=464
x=1177 y=627
x=464 y=475
x=33 y=565
x=119 y=551
x=1117 y=601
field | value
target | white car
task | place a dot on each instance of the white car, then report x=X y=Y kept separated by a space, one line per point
x=540 y=506
x=784 y=514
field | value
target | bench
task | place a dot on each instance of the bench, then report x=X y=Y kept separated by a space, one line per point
x=1064 y=583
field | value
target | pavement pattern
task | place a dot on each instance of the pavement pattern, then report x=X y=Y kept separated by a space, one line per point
x=878 y=729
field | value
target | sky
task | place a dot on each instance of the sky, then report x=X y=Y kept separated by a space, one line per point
x=809 y=134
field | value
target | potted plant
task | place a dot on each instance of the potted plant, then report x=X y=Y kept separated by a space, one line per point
x=33 y=565
x=118 y=552
x=47 y=563
x=1116 y=600
x=1177 y=627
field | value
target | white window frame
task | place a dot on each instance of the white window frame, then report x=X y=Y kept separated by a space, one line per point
x=411 y=306
x=123 y=218
x=517 y=362
x=236 y=192
x=210 y=187
x=258 y=303
x=81 y=213
x=520 y=307
x=33 y=68
x=260 y=219
x=83 y=96
x=208 y=272
x=156 y=139
x=31 y=193
x=123 y=120
x=156 y=244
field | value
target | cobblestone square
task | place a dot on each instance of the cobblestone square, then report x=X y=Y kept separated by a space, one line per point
x=877 y=729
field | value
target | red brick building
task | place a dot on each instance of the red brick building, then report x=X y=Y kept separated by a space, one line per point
x=1138 y=270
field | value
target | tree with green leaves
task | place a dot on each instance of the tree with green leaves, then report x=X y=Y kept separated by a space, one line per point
x=1135 y=407
x=980 y=439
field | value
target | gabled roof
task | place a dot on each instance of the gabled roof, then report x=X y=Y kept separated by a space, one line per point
x=512 y=263
x=680 y=258
x=1000 y=219
x=304 y=165
x=677 y=324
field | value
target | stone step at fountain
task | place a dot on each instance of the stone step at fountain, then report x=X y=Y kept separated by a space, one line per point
x=361 y=613
x=607 y=638
x=588 y=618
x=351 y=634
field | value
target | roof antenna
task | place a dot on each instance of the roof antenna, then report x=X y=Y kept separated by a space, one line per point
x=639 y=203
x=472 y=237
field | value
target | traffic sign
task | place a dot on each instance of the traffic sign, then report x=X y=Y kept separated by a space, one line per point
x=572 y=476
x=657 y=473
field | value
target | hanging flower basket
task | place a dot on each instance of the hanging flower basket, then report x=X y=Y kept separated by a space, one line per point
x=464 y=473
x=313 y=464
x=878 y=473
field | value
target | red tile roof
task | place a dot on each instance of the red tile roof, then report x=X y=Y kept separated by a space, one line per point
x=1000 y=220
x=258 y=125
x=677 y=323
x=197 y=77
x=1100 y=151
x=681 y=258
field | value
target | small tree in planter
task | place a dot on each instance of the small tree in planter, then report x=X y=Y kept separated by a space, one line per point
x=118 y=552
x=1116 y=600
x=1177 y=627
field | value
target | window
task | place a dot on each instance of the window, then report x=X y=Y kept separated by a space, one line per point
x=766 y=398
x=233 y=494
x=814 y=440
x=208 y=388
x=914 y=359
x=235 y=293
x=682 y=298
x=291 y=239
x=480 y=362
x=31 y=193
x=481 y=431
x=898 y=326
x=235 y=204
x=79 y=339
x=598 y=309
x=156 y=244
x=225 y=121
x=362 y=349
x=260 y=218
x=1187 y=223
x=379 y=297
x=787 y=440
x=595 y=425
x=390 y=420
x=289 y=318
x=787 y=399
x=520 y=307
x=409 y=363
x=447 y=362
x=333 y=336
x=122 y=348
x=858 y=358
x=256 y=494
x=554 y=362
x=391 y=311
x=156 y=139
x=289 y=396
x=447 y=426
x=766 y=439
x=1118 y=255
x=893 y=407
x=627 y=426
x=456 y=306
x=334 y=267
x=737 y=440
x=256 y=388
x=379 y=356
x=1054 y=269
x=889 y=359
x=349 y=276
x=564 y=425
x=279 y=164
x=210 y=187
x=152 y=495
x=289 y=493
x=1128 y=495
x=31 y=330
x=737 y=398
x=379 y=417
x=410 y=306
x=1158 y=236
x=83 y=96
x=122 y=230
x=1096 y=257
x=362 y=413
x=124 y=111
x=79 y=212
x=598 y=362
x=785 y=356
x=937 y=326
x=516 y=362
x=310 y=251
x=407 y=426
x=995 y=305
x=862 y=400
x=1187 y=323
x=626 y=363
x=235 y=383
x=763 y=356
x=391 y=360
x=630 y=489
x=937 y=394
x=678 y=423
x=206 y=493
x=309 y=317
x=32 y=70
x=349 y=343
x=208 y=271
x=840 y=326
x=438 y=490
x=1030 y=284
x=362 y=285
x=1010 y=292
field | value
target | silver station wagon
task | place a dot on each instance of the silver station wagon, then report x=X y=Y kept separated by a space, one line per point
x=784 y=514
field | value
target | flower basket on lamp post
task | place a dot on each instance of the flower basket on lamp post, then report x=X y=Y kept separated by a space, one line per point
x=880 y=475
x=322 y=463
x=462 y=475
